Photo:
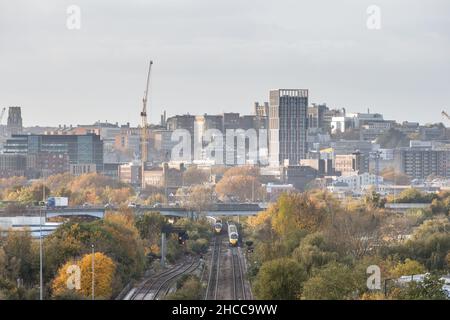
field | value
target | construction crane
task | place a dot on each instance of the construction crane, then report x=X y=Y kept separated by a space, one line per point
x=445 y=114
x=144 y=125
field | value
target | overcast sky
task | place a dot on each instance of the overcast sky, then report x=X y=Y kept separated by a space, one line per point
x=212 y=56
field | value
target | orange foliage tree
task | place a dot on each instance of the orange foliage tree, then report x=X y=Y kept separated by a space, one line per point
x=103 y=277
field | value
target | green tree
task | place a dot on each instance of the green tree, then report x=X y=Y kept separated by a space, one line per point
x=335 y=281
x=279 y=279
x=188 y=288
x=431 y=288
x=314 y=252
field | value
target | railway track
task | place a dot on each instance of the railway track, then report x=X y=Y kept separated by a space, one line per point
x=214 y=270
x=239 y=292
x=157 y=287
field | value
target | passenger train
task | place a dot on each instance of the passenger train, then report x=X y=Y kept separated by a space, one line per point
x=233 y=235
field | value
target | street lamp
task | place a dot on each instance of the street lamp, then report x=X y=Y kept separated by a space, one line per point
x=93 y=272
x=41 y=278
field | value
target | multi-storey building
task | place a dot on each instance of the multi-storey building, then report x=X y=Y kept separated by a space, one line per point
x=14 y=125
x=130 y=173
x=12 y=165
x=316 y=115
x=350 y=164
x=288 y=124
x=421 y=163
x=57 y=152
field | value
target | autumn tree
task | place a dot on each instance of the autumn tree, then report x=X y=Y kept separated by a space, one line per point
x=413 y=195
x=198 y=198
x=391 y=175
x=149 y=226
x=103 y=278
x=193 y=176
x=242 y=188
x=299 y=211
x=115 y=236
x=406 y=268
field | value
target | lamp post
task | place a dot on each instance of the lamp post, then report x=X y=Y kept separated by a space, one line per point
x=93 y=272
x=41 y=282
x=41 y=278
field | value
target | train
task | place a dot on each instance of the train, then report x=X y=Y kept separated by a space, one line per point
x=218 y=226
x=233 y=235
x=216 y=223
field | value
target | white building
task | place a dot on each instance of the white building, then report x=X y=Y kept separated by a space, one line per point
x=356 y=120
x=358 y=184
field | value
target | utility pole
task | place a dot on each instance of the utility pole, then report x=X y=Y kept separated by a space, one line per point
x=93 y=272
x=41 y=253
x=377 y=169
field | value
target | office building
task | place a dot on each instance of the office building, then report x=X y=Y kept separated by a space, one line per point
x=57 y=152
x=288 y=124
x=420 y=163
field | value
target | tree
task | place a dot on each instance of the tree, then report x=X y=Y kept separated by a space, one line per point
x=393 y=138
x=103 y=278
x=429 y=244
x=193 y=176
x=279 y=279
x=374 y=200
x=409 y=267
x=18 y=256
x=299 y=211
x=431 y=288
x=189 y=288
x=314 y=252
x=116 y=236
x=242 y=188
x=447 y=259
x=354 y=233
x=335 y=281
x=197 y=198
x=391 y=175
x=413 y=195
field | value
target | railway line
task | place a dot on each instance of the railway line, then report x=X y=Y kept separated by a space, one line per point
x=239 y=290
x=226 y=272
x=212 y=287
x=156 y=288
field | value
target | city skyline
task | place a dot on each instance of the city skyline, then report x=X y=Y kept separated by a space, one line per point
x=221 y=57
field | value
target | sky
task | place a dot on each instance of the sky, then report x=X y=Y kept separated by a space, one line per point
x=214 y=56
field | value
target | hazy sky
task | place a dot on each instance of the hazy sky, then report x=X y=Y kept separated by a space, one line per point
x=212 y=56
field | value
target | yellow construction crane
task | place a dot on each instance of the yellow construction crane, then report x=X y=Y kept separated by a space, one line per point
x=144 y=125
